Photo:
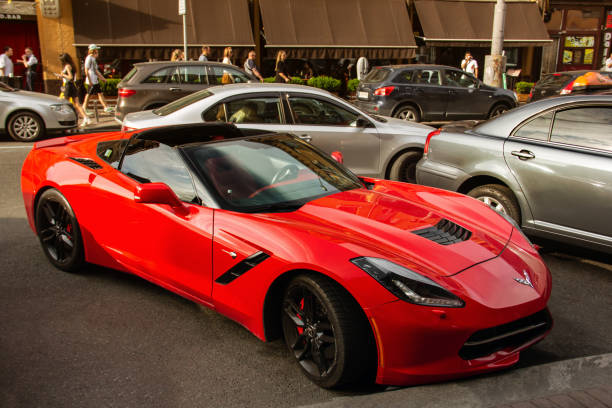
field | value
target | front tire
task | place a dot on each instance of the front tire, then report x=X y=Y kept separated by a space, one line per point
x=404 y=167
x=408 y=113
x=26 y=127
x=500 y=198
x=327 y=332
x=58 y=231
x=498 y=110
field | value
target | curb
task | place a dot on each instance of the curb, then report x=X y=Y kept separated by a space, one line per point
x=558 y=379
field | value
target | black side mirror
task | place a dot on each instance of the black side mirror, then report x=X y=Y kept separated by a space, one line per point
x=362 y=122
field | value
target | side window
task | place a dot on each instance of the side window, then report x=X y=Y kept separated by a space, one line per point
x=310 y=111
x=460 y=79
x=193 y=75
x=225 y=75
x=587 y=127
x=215 y=114
x=265 y=109
x=404 y=77
x=537 y=128
x=160 y=77
x=148 y=161
x=428 y=77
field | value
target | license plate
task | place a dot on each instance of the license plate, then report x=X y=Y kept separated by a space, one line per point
x=362 y=95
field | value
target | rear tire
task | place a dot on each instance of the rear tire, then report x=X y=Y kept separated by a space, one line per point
x=408 y=113
x=26 y=127
x=404 y=167
x=498 y=110
x=327 y=332
x=498 y=197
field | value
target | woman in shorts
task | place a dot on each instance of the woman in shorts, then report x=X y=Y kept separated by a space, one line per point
x=69 y=92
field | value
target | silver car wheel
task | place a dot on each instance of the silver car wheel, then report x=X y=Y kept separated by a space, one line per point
x=494 y=204
x=407 y=114
x=26 y=127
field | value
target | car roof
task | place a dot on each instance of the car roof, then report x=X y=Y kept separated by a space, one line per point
x=179 y=135
x=264 y=87
x=156 y=64
x=415 y=66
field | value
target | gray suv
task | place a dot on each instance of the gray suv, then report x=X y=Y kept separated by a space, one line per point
x=150 y=85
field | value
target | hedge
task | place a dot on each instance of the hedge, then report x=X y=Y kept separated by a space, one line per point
x=109 y=88
x=324 y=82
x=524 y=87
x=352 y=85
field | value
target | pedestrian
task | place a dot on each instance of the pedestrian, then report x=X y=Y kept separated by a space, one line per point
x=469 y=64
x=250 y=66
x=227 y=59
x=93 y=76
x=363 y=66
x=608 y=66
x=29 y=60
x=69 y=92
x=6 y=63
x=280 y=68
x=177 y=55
x=205 y=53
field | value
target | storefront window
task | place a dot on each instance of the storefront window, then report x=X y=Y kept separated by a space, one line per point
x=582 y=20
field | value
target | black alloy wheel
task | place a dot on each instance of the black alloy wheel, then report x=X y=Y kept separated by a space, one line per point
x=498 y=110
x=324 y=331
x=58 y=231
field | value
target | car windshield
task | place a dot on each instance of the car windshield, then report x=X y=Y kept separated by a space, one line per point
x=5 y=88
x=181 y=103
x=269 y=173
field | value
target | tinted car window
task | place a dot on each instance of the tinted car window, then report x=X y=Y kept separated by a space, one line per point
x=460 y=79
x=312 y=111
x=160 y=76
x=377 y=75
x=215 y=114
x=537 y=128
x=428 y=76
x=587 y=127
x=555 y=80
x=181 y=103
x=195 y=75
x=130 y=74
x=254 y=110
x=148 y=161
x=404 y=77
x=231 y=75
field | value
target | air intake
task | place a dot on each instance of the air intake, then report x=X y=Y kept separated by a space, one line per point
x=87 y=162
x=444 y=232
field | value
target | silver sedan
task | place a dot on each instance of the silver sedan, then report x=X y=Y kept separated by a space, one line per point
x=27 y=116
x=370 y=145
x=547 y=165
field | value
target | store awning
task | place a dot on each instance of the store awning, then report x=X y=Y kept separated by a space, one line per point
x=156 y=23
x=470 y=23
x=338 y=28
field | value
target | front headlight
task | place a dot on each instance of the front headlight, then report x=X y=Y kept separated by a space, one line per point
x=406 y=284
x=61 y=107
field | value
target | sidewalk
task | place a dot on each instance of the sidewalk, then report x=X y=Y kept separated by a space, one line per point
x=581 y=382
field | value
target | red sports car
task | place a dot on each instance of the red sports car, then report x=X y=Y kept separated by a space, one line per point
x=365 y=279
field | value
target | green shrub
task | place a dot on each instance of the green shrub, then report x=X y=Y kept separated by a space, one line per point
x=524 y=87
x=269 y=80
x=109 y=88
x=324 y=82
x=352 y=85
x=297 y=80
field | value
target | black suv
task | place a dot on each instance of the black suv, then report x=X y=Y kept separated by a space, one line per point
x=430 y=93
x=150 y=85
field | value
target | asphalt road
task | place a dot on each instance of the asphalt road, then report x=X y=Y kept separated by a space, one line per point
x=104 y=338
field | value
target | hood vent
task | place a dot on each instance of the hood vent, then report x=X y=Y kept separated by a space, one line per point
x=87 y=162
x=445 y=232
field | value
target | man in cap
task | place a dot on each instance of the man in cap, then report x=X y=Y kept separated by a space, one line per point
x=93 y=76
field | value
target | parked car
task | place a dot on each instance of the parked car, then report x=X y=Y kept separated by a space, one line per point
x=150 y=85
x=371 y=145
x=571 y=83
x=366 y=280
x=547 y=164
x=28 y=116
x=430 y=93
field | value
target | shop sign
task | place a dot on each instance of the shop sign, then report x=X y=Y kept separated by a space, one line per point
x=579 y=41
x=10 y=16
x=588 y=56
x=609 y=19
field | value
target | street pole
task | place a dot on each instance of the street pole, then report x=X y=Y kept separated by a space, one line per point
x=495 y=64
x=182 y=10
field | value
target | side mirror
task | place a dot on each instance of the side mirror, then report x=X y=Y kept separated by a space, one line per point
x=337 y=156
x=159 y=193
x=362 y=122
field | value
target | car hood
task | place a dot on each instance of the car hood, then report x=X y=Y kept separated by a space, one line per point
x=382 y=222
x=39 y=97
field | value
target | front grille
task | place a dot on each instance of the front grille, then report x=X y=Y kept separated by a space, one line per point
x=445 y=232
x=509 y=335
x=87 y=162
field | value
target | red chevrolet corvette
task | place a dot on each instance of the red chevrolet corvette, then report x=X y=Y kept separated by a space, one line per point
x=366 y=280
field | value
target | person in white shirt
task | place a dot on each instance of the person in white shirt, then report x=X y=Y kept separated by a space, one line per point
x=93 y=78
x=6 y=64
x=469 y=64
x=205 y=53
x=30 y=62
x=608 y=66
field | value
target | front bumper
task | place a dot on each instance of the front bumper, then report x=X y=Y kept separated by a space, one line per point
x=60 y=120
x=419 y=344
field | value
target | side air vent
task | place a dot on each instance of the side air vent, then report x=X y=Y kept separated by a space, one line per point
x=445 y=232
x=87 y=162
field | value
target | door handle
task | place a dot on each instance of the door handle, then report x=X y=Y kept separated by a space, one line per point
x=175 y=89
x=306 y=138
x=523 y=154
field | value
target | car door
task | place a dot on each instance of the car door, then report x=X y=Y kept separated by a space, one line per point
x=563 y=163
x=466 y=98
x=331 y=126
x=430 y=94
x=171 y=248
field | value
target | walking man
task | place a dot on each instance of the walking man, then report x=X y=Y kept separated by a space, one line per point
x=205 y=53
x=469 y=64
x=250 y=66
x=93 y=78
x=6 y=64
x=30 y=62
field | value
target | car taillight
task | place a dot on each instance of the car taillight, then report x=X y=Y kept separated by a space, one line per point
x=384 y=91
x=429 y=136
x=568 y=89
x=124 y=93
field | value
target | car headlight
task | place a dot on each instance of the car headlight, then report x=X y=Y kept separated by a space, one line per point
x=61 y=107
x=516 y=227
x=406 y=284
